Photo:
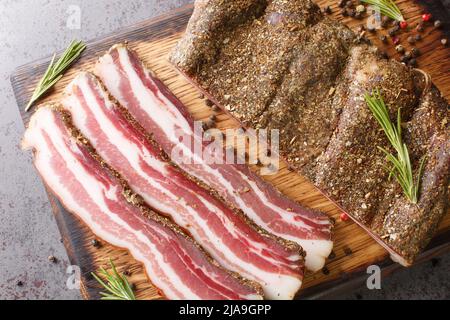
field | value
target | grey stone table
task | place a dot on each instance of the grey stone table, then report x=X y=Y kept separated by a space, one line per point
x=28 y=234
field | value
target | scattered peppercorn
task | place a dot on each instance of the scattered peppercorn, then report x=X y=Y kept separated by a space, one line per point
x=403 y=25
x=344 y=12
x=342 y=3
x=332 y=255
x=408 y=55
x=95 y=243
x=437 y=24
x=201 y=96
x=411 y=40
x=348 y=251
x=127 y=273
x=392 y=32
x=344 y=217
x=327 y=10
x=415 y=52
x=19 y=283
x=209 y=103
x=325 y=271
x=52 y=259
x=383 y=38
x=213 y=117
x=404 y=59
x=400 y=49
x=444 y=41
x=412 y=63
x=351 y=12
x=417 y=37
x=426 y=17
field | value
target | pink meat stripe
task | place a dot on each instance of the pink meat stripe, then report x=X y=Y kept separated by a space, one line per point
x=172 y=261
x=224 y=234
x=162 y=114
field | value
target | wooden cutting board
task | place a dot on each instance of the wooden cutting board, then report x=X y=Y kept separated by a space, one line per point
x=153 y=39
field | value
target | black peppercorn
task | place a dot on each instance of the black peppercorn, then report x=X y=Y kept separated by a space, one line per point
x=332 y=255
x=209 y=103
x=19 y=283
x=417 y=37
x=412 y=63
x=325 y=271
x=52 y=259
x=411 y=39
x=415 y=52
x=385 y=21
x=327 y=10
x=348 y=251
x=95 y=243
x=383 y=38
x=420 y=27
x=351 y=12
x=344 y=12
x=404 y=59
x=342 y=3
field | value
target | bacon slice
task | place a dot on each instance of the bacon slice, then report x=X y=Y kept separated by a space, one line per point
x=164 y=116
x=226 y=235
x=172 y=260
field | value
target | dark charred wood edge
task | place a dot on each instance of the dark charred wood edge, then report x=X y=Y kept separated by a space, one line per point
x=75 y=234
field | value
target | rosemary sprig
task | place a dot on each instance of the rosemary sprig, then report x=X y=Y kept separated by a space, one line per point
x=387 y=8
x=56 y=70
x=116 y=285
x=401 y=163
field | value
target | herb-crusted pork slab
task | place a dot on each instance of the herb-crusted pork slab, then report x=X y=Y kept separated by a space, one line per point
x=281 y=64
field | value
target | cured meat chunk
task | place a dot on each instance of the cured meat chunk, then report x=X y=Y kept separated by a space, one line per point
x=172 y=260
x=227 y=235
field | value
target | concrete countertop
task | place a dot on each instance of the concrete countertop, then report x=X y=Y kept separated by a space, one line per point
x=30 y=30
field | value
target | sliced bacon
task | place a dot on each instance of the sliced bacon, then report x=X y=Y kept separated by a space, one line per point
x=160 y=113
x=229 y=238
x=172 y=260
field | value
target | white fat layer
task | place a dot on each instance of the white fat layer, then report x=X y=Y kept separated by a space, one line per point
x=170 y=118
x=183 y=214
x=96 y=190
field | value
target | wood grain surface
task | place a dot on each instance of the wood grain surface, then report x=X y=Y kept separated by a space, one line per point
x=153 y=39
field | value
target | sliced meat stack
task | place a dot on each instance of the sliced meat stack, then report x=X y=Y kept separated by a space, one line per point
x=226 y=234
x=160 y=113
x=283 y=65
x=172 y=260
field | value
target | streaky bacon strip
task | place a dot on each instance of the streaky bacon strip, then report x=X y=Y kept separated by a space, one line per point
x=172 y=260
x=230 y=239
x=160 y=113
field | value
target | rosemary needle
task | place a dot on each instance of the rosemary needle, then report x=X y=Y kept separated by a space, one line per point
x=401 y=163
x=117 y=286
x=387 y=8
x=56 y=70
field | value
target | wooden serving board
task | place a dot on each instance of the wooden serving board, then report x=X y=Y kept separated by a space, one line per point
x=153 y=40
